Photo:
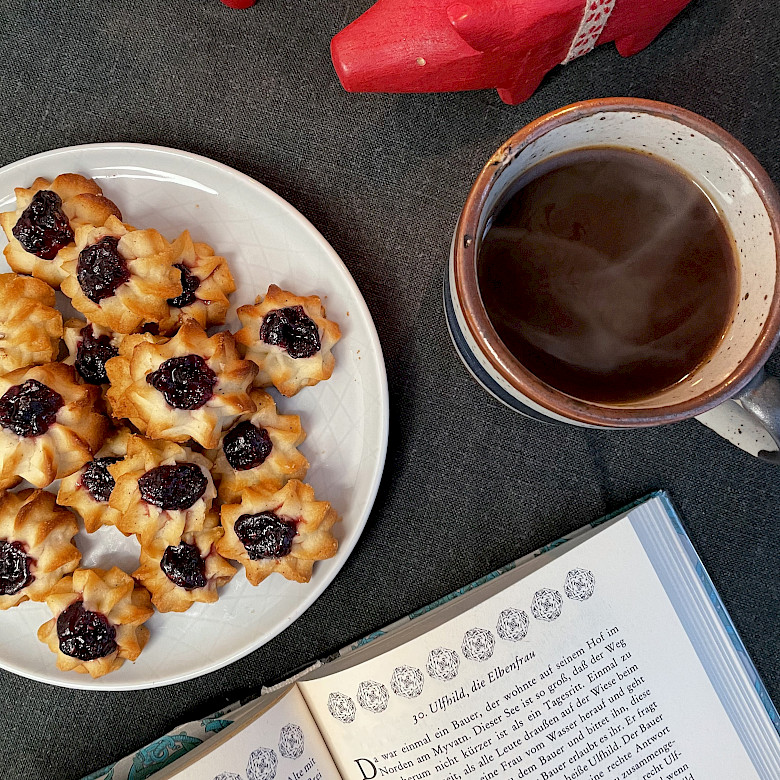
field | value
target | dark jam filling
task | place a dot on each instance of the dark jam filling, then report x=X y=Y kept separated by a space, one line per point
x=91 y=356
x=291 y=329
x=43 y=229
x=246 y=446
x=185 y=382
x=29 y=409
x=101 y=269
x=97 y=479
x=173 y=487
x=265 y=535
x=85 y=635
x=184 y=567
x=189 y=284
x=14 y=568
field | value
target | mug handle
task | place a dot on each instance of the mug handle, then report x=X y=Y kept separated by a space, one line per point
x=761 y=398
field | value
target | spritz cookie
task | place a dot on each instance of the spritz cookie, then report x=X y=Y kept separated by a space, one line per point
x=30 y=326
x=89 y=489
x=284 y=532
x=98 y=621
x=179 y=570
x=119 y=277
x=45 y=222
x=190 y=387
x=289 y=338
x=206 y=282
x=49 y=424
x=36 y=546
x=160 y=485
x=260 y=450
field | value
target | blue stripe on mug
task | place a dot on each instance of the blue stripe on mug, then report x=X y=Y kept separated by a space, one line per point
x=475 y=367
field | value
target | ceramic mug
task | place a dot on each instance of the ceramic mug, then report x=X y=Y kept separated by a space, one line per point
x=730 y=392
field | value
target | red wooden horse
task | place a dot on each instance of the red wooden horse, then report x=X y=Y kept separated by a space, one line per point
x=441 y=45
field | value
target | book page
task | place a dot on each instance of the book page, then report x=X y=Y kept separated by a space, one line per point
x=281 y=743
x=579 y=671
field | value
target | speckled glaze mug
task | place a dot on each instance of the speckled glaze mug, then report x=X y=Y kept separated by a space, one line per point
x=730 y=393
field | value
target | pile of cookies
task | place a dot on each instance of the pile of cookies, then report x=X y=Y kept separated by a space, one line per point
x=152 y=425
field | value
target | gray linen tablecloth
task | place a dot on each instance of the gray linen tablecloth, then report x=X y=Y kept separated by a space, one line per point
x=468 y=484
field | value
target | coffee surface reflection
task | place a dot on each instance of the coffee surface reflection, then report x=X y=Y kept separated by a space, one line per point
x=608 y=274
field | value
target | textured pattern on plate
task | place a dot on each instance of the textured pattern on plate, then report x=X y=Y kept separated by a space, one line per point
x=265 y=240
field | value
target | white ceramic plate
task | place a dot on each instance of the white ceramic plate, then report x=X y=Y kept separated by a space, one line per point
x=346 y=418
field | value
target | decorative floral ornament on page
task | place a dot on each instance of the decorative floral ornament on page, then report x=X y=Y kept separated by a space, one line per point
x=447 y=45
x=478 y=644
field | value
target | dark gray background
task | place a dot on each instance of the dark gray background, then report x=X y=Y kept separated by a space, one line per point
x=468 y=484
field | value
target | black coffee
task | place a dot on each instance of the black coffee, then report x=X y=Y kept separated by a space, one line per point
x=608 y=274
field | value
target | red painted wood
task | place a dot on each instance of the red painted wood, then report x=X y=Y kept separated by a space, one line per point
x=239 y=3
x=448 y=45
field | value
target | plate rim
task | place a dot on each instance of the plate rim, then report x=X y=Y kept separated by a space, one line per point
x=104 y=683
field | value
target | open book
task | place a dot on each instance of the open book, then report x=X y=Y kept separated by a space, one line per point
x=605 y=655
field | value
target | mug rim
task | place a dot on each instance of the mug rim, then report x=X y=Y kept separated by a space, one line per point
x=504 y=362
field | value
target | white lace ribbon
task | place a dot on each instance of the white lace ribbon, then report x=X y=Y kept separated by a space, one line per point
x=594 y=20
